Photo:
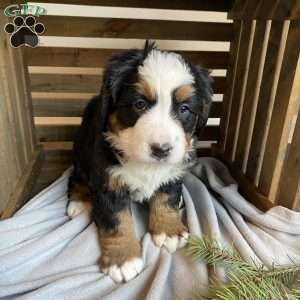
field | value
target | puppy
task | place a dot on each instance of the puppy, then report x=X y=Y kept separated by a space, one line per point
x=135 y=143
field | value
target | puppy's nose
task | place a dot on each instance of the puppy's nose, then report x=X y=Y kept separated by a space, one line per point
x=160 y=151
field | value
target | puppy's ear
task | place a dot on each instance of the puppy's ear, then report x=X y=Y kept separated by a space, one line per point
x=203 y=82
x=117 y=71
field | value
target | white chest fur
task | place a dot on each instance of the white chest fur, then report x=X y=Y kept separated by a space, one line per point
x=144 y=179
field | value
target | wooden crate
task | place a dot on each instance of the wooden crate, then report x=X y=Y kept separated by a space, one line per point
x=254 y=126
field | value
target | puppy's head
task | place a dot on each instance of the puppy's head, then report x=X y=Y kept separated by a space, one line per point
x=156 y=102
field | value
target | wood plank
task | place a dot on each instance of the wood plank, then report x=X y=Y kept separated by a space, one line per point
x=250 y=191
x=71 y=57
x=243 y=62
x=283 y=112
x=267 y=94
x=295 y=13
x=86 y=83
x=289 y=184
x=248 y=10
x=231 y=80
x=137 y=29
x=253 y=86
x=265 y=9
x=236 y=9
x=283 y=9
x=24 y=186
x=212 y=5
x=75 y=107
x=58 y=133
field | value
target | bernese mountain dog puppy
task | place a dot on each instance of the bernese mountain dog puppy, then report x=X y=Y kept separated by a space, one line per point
x=135 y=143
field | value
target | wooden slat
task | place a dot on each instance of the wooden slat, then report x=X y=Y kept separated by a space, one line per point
x=53 y=133
x=295 y=13
x=283 y=9
x=250 y=191
x=23 y=189
x=270 y=77
x=63 y=83
x=239 y=88
x=231 y=81
x=74 y=108
x=213 y=5
x=138 y=29
x=284 y=108
x=260 y=43
x=289 y=185
x=86 y=83
x=249 y=9
x=265 y=9
x=70 y=57
x=237 y=9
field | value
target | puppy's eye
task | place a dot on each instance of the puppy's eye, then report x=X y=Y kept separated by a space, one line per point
x=184 y=109
x=140 y=104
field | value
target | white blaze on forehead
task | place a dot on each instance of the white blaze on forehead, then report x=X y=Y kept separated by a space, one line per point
x=165 y=72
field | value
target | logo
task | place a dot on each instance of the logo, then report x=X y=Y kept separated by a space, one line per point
x=24 y=28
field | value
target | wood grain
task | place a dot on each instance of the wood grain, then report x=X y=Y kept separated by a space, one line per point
x=243 y=62
x=289 y=185
x=137 y=29
x=231 y=81
x=253 y=86
x=283 y=112
x=70 y=57
x=267 y=94
x=212 y=5
x=86 y=83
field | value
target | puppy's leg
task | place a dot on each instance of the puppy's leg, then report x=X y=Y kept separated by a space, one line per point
x=78 y=199
x=164 y=222
x=120 y=250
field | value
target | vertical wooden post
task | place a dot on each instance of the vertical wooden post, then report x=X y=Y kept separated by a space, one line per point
x=18 y=151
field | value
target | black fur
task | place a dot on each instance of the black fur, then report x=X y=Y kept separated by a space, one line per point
x=92 y=154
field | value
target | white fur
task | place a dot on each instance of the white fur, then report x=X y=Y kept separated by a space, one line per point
x=171 y=243
x=139 y=170
x=127 y=271
x=164 y=72
x=77 y=207
x=144 y=179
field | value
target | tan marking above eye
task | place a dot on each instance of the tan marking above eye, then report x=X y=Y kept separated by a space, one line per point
x=114 y=123
x=184 y=92
x=145 y=89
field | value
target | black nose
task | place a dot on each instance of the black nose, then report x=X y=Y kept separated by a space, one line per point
x=161 y=151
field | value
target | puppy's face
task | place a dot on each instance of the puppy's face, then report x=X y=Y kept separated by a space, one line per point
x=157 y=110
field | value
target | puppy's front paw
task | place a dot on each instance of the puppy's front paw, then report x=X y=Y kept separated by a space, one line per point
x=125 y=272
x=121 y=256
x=172 y=242
x=77 y=207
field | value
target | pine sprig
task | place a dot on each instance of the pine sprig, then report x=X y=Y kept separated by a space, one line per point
x=248 y=281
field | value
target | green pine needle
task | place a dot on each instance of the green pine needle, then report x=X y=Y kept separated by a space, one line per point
x=247 y=281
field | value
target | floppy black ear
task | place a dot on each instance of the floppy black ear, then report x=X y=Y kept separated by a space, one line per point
x=118 y=68
x=204 y=92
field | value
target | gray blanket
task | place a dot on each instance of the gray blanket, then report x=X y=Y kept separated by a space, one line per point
x=46 y=255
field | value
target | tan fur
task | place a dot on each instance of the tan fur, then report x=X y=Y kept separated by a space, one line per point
x=163 y=218
x=184 y=92
x=121 y=245
x=80 y=192
x=114 y=123
x=145 y=89
x=115 y=184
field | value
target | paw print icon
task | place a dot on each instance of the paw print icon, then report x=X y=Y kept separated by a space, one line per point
x=24 y=31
